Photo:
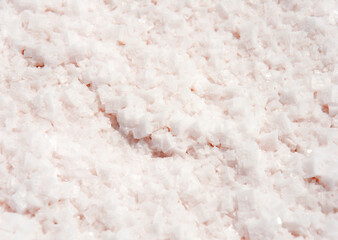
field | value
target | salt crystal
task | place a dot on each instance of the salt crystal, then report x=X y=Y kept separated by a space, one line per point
x=269 y=141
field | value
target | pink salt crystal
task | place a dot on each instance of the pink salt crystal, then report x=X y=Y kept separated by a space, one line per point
x=269 y=141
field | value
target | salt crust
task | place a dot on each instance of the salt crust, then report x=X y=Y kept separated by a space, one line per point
x=168 y=119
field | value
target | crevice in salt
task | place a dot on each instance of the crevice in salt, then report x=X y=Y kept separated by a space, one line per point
x=121 y=43
x=316 y=180
x=39 y=65
x=130 y=137
x=236 y=35
x=325 y=108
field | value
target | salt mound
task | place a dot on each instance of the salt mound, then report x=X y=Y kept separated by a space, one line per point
x=168 y=119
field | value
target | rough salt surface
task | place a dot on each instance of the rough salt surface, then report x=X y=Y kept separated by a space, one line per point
x=168 y=119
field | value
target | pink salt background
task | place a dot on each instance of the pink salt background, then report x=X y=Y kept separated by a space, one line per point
x=168 y=120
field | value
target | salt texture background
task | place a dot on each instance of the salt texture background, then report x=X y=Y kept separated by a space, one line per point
x=168 y=119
